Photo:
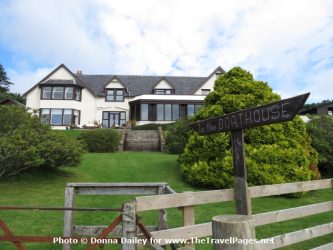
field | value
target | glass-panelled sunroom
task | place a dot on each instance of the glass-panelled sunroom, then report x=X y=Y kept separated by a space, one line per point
x=162 y=111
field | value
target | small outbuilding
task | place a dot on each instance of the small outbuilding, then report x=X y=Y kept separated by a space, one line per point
x=322 y=109
x=10 y=101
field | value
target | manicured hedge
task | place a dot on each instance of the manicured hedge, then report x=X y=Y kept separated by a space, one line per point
x=101 y=140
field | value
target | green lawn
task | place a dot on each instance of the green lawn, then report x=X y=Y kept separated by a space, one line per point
x=38 y=188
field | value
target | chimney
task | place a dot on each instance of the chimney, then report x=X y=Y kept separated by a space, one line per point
x=79 y=72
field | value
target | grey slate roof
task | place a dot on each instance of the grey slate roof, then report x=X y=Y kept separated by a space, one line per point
x=139 y=85
x=60 y=82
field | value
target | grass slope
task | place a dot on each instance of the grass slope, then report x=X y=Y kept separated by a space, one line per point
x=46 y=188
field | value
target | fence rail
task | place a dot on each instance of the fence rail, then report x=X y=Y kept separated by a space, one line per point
x=190 y=199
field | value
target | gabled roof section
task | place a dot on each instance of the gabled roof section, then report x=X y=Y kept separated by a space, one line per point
x=78 y=81
x=12 y=102
x=115 y=78
x=217 y=70
x=161 y=79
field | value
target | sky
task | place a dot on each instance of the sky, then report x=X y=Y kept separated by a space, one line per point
x=287 y=43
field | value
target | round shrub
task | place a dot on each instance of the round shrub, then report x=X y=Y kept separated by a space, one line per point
x=276 y=153
x=101 y=140
x=26 y=143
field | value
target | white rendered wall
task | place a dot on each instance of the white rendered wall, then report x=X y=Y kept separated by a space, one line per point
x=62 y=74
x=102 y=105
x=207 y=85
x=114 y=85
x=163 y=85
x=33 y=99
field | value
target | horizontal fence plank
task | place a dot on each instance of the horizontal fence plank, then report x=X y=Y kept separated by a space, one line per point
x=292 y=213
x=186 y=233
x=182 y=199
x=116 y=190
x=328 y=246
x=97 y=230
x=297 y=236
x=286 y=188
x=117 y=184
x=204 y=197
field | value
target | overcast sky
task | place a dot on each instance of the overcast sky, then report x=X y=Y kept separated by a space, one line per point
x=288 y=43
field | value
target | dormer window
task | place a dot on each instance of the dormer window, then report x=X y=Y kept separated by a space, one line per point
x=163 y=91
x=205 y=91
x=114 y=95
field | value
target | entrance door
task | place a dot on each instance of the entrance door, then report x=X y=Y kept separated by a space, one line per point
x=114 y=119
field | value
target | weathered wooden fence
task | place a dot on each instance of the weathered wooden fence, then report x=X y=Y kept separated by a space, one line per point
x=189 y=199
x=74 y=189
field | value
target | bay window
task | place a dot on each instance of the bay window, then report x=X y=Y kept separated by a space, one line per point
x=60 y=117
x=60 y=93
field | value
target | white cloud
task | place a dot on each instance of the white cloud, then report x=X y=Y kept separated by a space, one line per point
x=287 y=43
x=24 y=80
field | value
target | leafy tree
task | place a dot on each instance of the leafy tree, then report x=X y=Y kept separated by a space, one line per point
x=4 y=80
x=320 y=129
x=275 y=153
x=15 y=96
x=26 y=143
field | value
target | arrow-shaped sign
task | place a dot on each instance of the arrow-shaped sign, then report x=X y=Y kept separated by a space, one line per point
x=284 y=110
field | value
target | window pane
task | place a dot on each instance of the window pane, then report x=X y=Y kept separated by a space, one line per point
x=67 y=119
x=122 y=122
x=110 y=95
x=144 y=112
x=56 y=116
x=119 y=98
x=159 y=91
x=205 y=91
x=175 y=112
x=119 y=95
x=122 y=115
x=168 y=91
x=77 y=94
x=105 y=115
x=105 y=123
x=160 y=112
x=58 y=93
x=190 y=109
x=46 y=92
x=45 y=116
x=167 y=110
x=69 y=93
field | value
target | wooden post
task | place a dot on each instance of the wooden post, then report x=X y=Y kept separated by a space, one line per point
x=189 y=220
x=129 y=226
x=162 y=213
x=235 y=230
x=68 y=217
x=242 y=199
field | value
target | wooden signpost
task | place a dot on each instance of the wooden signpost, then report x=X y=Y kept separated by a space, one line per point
x=284 y=110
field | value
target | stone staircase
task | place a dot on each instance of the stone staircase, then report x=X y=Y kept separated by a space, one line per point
x=142 y=140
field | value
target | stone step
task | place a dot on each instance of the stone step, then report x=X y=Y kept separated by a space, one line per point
x=142 y=140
